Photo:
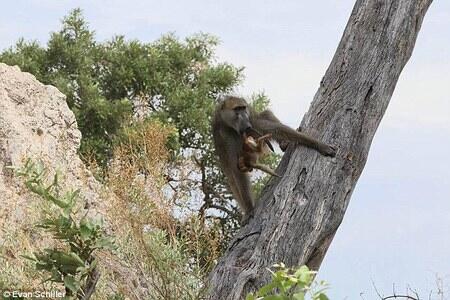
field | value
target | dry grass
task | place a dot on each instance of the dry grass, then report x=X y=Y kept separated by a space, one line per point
x=158 y=256
x=19 y=236
x=174 y=255
x=136 y=177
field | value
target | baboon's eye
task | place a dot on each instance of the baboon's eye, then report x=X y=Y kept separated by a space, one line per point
x=239 y=108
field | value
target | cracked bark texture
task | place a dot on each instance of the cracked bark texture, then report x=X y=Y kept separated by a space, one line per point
x=299 y=214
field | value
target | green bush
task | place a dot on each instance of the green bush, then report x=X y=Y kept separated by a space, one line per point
x=73 y=264
x=176 y=80
x=171 y=80
x=289 y=284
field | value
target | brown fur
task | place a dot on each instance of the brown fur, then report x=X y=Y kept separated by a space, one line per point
x=252 y=150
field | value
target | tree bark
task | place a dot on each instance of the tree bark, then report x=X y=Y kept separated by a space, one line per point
x=299 y=214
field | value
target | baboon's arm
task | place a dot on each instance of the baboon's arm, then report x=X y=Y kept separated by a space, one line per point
x=266 y=122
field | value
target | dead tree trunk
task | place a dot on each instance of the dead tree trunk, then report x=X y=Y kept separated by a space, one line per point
x=298 y=215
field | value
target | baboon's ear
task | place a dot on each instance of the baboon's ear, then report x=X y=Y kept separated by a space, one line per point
x=220 y=101
x=225 y=104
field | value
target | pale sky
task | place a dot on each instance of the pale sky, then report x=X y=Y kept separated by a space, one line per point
x=397 y=226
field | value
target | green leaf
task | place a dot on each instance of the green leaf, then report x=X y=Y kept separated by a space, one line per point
x=306 y=278
x=77 y=259
x=266 y=289
x=93 y=264
x=323 y=297
x=276 y=297
x=56 y=276
x=86 y=229
x=250 y=296
x=29 y=258
x=301 y=270
x=299 y=296
x=68 y=262
x=71 y=284
x=43 y=266
x=105 y=243
x=57 y=202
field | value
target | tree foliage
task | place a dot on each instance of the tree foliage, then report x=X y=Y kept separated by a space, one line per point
x=178 y=79
x=170 y=80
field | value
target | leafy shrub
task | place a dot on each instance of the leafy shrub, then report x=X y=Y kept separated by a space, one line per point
x=289 y=284
x=73 y=263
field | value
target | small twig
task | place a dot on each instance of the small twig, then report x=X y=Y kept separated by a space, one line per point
x=394 y=294
x=399 y=296
x=376 y=290
x=90 y=284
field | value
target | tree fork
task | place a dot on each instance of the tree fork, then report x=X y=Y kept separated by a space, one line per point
x=298 y=215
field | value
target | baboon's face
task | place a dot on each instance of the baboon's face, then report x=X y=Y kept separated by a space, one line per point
x=236 y=115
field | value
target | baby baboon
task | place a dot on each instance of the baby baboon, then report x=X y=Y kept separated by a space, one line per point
x=252 y=150
x=233 y=117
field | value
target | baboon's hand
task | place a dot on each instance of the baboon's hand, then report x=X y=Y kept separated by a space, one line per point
x=328 y=150
x=283 y=145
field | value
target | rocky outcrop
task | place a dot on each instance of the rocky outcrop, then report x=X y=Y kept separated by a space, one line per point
x=37 y=124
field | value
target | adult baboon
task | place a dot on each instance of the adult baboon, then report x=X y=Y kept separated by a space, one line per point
x=232 y=118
